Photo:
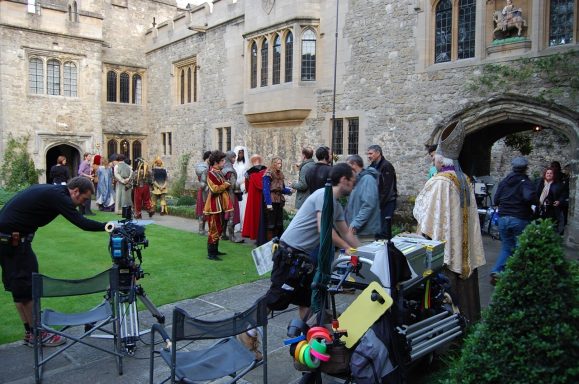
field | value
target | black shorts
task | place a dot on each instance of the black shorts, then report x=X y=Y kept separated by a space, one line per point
x=18 y=264
x=291 y=280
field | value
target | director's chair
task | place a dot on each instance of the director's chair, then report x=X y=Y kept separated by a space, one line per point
x=98 y=318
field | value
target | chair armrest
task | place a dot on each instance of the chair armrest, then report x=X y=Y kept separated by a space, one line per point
x=158 y=328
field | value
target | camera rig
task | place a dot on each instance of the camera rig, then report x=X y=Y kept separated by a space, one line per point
x=127 y=240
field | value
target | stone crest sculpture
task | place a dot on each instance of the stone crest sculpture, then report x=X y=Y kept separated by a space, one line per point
x=508 y=20
x=267 y=5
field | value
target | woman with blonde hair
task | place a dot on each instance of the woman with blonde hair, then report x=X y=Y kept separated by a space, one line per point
x=59 y=172
x=274 y=190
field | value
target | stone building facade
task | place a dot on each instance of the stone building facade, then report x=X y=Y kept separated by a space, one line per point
x=156 y=79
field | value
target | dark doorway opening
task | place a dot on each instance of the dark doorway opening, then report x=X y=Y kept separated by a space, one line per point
x=72 y=159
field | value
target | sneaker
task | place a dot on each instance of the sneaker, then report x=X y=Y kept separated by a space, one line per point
x=48 y=339
x=251 y=343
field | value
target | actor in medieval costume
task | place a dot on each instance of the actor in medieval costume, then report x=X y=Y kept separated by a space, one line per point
x=217 y=204
x=105 y=193
x=201 y=173
x=231 y=219
x=274 y=190
x=123 y=188
x=241 y=165
x=253 y=224
x=159 y=186
x=142 y=179
x=446 y=211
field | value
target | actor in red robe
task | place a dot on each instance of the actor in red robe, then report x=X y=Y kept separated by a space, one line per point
x=253 y=221
x=217 y=204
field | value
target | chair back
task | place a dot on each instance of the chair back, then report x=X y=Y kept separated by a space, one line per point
x=186 y=327
x=44 y=286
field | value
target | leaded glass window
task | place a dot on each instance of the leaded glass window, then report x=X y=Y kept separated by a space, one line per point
x=466 y=28
x=182 y=90
x=53 y=77
x=264 y=55
x=309 y=56
x=189 y=84
x=111 y=147
x=70 y=79
x=137 y=152
x=137 y=89
x=338 y=137
x=289 y=57
x=253 y=65
x=36 y=76
x=443 y=32
x=353 y=134
x=561 y=22
x=276 y=60
x=111 y=86
x=124 y=88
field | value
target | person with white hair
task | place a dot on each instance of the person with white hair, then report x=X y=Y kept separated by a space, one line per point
x=241 y=165
x=446 y=211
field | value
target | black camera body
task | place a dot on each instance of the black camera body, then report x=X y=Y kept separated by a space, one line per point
x=127 y=239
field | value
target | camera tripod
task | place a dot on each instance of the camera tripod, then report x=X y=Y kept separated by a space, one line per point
x=126 y=310
x=128 y=314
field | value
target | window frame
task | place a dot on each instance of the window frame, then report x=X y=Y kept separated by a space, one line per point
x=264 y=56
x=574 y=27
x=455 y=24
x=288 y=57
x=308 y=64
x=121 y=87
x=223 y=138
x=349 y=132
x=186 y=87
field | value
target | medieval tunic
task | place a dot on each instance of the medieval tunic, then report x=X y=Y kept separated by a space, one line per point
x=217 y=204
x=253 y=213
x=441 y=217
x=159 y=187
x=273 y=194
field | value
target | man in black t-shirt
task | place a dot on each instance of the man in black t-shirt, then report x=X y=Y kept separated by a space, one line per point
x=29 y=210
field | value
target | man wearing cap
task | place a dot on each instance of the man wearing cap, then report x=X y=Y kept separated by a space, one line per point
x=514 y=197
x=446 y=211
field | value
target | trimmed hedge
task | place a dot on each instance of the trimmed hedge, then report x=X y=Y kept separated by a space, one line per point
x=530 y=332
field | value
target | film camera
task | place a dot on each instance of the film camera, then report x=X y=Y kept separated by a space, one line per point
x=127 y=239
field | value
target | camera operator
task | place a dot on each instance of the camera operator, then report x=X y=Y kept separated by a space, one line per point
x=22 y=215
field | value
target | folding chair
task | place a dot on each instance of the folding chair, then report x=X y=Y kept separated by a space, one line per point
x=97 y=318
x=226 y=357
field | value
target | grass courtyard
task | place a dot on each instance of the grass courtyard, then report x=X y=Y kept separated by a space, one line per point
x=175 y=264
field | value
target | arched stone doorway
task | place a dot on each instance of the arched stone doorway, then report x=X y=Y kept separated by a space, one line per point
x=495 y=118
x=73 y=158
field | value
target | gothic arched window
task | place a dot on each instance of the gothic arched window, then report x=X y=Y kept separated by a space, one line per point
x=276 y=69
x=309 y=55
x=289 y=57
x=264 y=55
x=111 y=86
x=254 y=65
x=124 y=88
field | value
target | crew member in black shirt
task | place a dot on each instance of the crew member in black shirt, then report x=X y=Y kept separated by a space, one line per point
x=318 y=174
x=19 y=219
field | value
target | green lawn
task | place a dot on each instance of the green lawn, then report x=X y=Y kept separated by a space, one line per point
x=175 y=263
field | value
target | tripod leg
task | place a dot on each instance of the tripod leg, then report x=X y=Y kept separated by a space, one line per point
x=150 y=306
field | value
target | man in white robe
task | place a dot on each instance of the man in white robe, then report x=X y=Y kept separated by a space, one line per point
x=443 y=217
x=241 y=166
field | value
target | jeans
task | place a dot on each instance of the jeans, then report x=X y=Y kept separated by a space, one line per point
x=386 y=214
x=509 y=228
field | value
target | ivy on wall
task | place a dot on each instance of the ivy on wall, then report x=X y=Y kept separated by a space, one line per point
x=559 y=72
x=179 y=184
x=520 y=142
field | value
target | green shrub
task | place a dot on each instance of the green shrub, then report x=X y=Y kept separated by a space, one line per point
x=5 y=196
x=186 y=200
x=182 y=211
x=178 y=186
x=18 y=171
x=530 y=332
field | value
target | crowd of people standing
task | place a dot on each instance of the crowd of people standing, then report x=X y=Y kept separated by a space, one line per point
x=117 y=183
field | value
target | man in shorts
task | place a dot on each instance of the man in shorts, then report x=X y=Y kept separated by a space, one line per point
x=296 y=257
x=30 y=209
